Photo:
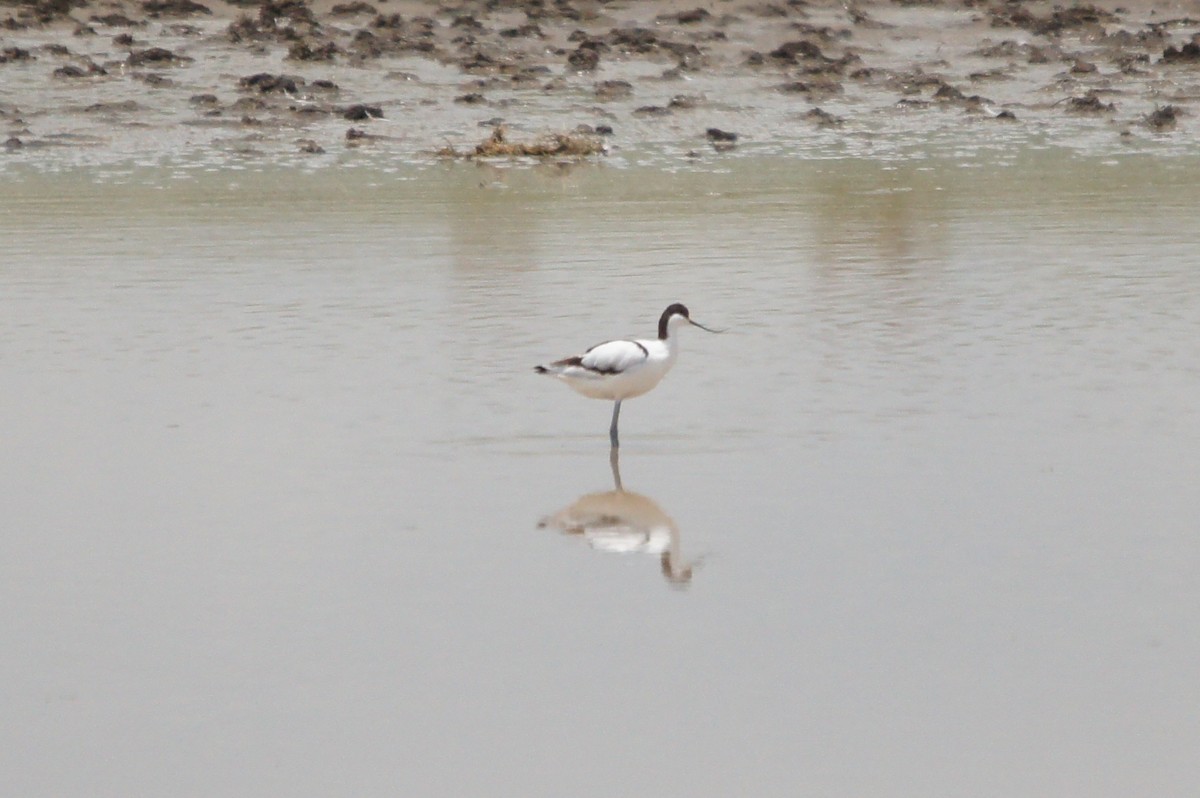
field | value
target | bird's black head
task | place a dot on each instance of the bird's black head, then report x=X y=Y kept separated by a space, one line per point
x=676 y=309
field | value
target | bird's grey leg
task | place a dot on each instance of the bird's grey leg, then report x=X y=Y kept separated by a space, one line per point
x=614 y=460
x=612 y=431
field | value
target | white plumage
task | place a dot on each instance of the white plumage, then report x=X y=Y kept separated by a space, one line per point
x=623 y=369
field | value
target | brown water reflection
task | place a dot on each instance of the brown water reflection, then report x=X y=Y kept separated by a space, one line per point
x=891 y=216
x=620 y=521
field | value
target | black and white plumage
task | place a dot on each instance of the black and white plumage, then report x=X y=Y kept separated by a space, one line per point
x=625 y=368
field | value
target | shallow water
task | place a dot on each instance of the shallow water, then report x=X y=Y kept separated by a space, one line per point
x=283 y=500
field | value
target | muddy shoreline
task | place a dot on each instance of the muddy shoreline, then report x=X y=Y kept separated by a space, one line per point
x=562 y=79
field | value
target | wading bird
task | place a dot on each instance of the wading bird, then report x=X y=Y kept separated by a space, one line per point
x=623 y=369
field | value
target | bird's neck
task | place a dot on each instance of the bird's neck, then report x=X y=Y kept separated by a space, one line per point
x=669 y=324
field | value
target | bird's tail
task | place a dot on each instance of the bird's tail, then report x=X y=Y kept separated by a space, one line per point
x=558 y=367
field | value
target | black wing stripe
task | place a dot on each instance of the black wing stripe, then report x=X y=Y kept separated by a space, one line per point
x=578 y=363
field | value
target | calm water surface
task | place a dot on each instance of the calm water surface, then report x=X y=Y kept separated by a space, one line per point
x=286 y=512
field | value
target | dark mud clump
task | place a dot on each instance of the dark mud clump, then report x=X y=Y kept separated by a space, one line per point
x=117 y=20
x=823 y=119
x=15 y=54
x=174 y=8
x=554 y=145
x=277 y=20
x=820 y=87
x=807 y=59
x=350 y=9
x=721 y=140
x=795 y=52
x=355 y=137
x=642 y=41
x=1078 y=17
x=88 y=70
x=1162 y=119
x=693 y=17
x=586 y=57
x=360 y=112
x=265 y=82
x=1088 y=104
x=1012 y=51
x=1187 y=54
x=43 y=12
x=121 y=107
x=651 y=110
x=158 y=56
x=308 y=51
x=607 y=90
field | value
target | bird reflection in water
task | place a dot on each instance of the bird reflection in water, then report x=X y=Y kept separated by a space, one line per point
x=622 y=522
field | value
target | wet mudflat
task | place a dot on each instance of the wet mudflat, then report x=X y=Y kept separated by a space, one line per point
x=286 y=510
x=159 y=80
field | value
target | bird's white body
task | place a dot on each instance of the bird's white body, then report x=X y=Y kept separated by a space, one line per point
x=618 y=369
x=623 y=369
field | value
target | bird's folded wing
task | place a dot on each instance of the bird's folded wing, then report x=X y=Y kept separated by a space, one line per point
x=614 y=357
